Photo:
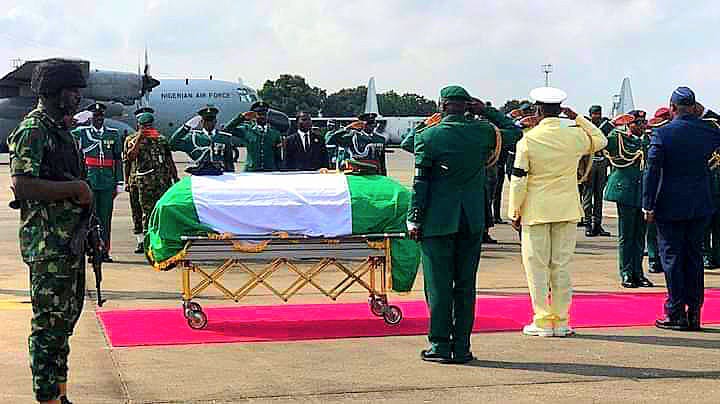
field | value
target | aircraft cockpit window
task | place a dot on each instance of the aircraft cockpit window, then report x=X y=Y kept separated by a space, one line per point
x=246 y=95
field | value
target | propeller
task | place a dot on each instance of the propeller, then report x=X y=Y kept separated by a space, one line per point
x=147 y=82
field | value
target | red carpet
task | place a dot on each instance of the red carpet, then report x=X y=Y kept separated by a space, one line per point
x=145 y=327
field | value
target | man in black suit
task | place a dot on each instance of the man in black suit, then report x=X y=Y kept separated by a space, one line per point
x=676 y=195
x=305 y=150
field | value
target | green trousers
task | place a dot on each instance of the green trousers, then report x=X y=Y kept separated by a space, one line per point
x=103 y=200
x=711 y=246
x=57 y=292
x=631 y=240
x=652 y=244
x=136 y=209
x=450 y=270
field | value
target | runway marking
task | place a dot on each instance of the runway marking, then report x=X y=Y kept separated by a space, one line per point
x=14 y=305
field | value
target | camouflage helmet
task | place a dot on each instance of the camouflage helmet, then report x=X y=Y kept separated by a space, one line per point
x=53 y=75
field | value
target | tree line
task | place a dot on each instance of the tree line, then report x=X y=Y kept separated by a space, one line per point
x=291 y=93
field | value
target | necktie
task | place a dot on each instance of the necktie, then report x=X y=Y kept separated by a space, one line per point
x=306 y=138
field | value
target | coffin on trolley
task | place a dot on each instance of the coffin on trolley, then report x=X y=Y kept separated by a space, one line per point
x=261 y=224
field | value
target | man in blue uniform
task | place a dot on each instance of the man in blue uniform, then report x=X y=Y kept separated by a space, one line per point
x=677 y=167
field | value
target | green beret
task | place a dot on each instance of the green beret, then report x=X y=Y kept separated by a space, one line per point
x=595 y=108
x=209 y=111
x=260 y=106
x=145 y=118
x=455 y=93
x=144 y=109
x=368 y=117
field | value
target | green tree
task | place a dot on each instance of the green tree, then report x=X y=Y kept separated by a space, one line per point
x=512 y=104
x=347 y=102
x=290 y=94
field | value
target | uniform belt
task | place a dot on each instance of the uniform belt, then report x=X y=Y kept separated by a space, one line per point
x=95 y=162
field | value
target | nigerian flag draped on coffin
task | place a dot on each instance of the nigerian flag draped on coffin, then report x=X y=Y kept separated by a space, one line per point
x=327 y=205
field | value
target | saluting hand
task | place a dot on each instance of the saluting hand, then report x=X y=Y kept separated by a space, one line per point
x=477 y=107
x=569 y=113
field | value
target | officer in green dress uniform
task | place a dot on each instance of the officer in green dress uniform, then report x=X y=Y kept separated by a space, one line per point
x=102 y=149
x=359 y=141
x=210 y=149
x=626 y=150
x=131 y=185
x=262 y=141
x=711 y=246
x=592 y=189
x=48 y=175
x=447 y=215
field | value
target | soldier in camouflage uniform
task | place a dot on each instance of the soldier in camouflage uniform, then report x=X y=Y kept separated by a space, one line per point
x=48 y=181
x=153 y=165
x=102 y=148
x=131 y=187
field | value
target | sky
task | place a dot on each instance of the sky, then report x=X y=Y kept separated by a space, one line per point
x=493 y=48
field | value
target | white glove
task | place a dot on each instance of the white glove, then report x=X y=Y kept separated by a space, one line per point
x=119 y=188
x=193 y=122
x=83 y=116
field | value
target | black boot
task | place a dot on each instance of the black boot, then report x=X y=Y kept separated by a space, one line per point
x=602 y=232
x=590 y=231
x=670 y=323
x=64 y=400
x=693 y=316
x=140 y=248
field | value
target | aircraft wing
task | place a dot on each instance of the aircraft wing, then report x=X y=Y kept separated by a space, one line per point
x=17 y=82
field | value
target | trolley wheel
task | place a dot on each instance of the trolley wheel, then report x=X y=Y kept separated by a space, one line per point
x=197 y=320
x=377 y=305
x=192 y=306
x=392 y=315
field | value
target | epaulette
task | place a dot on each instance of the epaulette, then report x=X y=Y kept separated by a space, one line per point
x=714 y=121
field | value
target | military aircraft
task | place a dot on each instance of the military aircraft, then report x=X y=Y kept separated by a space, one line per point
x=174 y=100
x=117 y=89
x=177 y=100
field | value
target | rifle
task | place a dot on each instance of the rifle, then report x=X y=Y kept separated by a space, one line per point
x=87 y=240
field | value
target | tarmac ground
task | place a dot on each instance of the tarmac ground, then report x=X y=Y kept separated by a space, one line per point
x=638 y=364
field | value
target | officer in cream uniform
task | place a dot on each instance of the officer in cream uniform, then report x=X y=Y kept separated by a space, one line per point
x=544 y=199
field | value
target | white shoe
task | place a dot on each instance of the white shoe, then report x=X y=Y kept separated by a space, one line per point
x=563 y=331
x=532 y=329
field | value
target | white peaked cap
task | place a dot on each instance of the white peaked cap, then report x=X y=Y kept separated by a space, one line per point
x=548 y=95
x=83 y=116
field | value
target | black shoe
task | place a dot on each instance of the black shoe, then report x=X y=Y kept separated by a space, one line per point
x=64 y=400
x=628 y=282
x=463 y=358
x=655 y=268
x=644 y=282
x=709 y=263
x=140 y=249
x=430 y=355
x=693 y=316
x=500 y=221
x=590 y=232
x=488 y=240
x=672 y=324
x=602 y=232
x=582 y=223
x=108 y=258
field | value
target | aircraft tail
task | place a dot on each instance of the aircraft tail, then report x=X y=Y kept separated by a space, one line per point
x=625 y=102
x=371 y=102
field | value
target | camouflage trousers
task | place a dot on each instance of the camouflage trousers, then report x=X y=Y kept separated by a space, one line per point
x=136 y=210
x=57 y=291
x=149 y=195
